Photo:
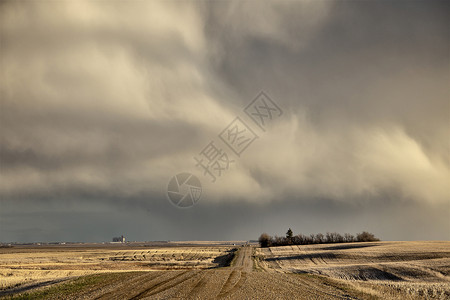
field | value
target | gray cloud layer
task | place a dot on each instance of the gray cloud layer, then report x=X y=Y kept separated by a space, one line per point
x=101 y=103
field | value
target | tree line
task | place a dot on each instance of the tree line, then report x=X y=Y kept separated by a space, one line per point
x=266 y=240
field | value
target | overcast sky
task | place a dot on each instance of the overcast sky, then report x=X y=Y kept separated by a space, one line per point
x=103 y=102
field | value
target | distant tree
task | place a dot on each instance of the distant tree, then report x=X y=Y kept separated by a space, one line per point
x=301 y=239
x=279 y=241
x=307 y=240
x=289 y=234
x=328 y=237
x=265 y=240
x=319 y=238
x=339 y=238
x=332 y=237
x=296 y=240
x=348 y=238
x=335 y=237
x=366 y=237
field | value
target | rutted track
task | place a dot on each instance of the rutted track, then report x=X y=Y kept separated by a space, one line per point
x=386 y=270
x=238 y=281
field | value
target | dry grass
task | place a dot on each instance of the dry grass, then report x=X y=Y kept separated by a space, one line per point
x=403 y=270
x=29 y=265
x=378 y=270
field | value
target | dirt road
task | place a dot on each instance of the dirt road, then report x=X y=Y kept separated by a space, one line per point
x=238 y=281
x=243 y=260
x=383 y=270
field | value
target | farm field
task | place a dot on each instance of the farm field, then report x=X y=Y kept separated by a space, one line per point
x=382 y=269
x=376 y=270
x=38 y=265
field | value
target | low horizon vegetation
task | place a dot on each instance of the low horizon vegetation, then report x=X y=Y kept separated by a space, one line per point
x=265 y=240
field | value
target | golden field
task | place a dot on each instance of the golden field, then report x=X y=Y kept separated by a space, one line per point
x=26 y=265
x=372 y=270
x=382 y=269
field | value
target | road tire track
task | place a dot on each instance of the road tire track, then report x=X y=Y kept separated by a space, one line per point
x=166 y=284
x=199 y=286
x=131 y=284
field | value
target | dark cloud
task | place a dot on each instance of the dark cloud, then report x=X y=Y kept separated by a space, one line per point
x=102 y=104
x=155 y=219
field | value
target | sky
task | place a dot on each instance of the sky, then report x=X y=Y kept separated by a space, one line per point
x=104 y=102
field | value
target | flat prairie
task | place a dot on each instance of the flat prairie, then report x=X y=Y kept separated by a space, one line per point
x=375 y=270
x=34 y=265
x=382 y=269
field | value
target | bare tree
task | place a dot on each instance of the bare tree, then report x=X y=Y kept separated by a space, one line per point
x=319 y=238
x=366 y=237
x=331 y=237
x=349 y=238
x=279 y=241
x=339 y=238
x=265 y=240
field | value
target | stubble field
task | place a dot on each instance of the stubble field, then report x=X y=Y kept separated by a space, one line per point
x=381 y=269
x=376 y=270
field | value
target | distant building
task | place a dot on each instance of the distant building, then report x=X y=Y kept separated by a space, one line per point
x=120 y=239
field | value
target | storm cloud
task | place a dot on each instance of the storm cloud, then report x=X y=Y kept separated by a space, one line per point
x=103 y=102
